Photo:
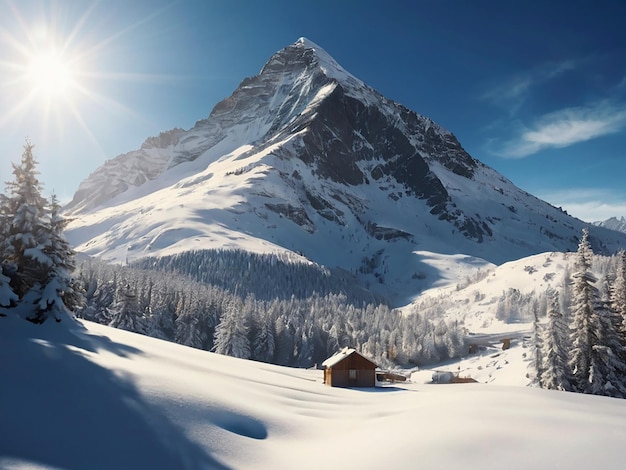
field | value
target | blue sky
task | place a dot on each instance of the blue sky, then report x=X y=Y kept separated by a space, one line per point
x=535 y=89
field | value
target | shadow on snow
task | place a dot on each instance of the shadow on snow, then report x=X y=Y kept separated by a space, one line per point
x=59 y=409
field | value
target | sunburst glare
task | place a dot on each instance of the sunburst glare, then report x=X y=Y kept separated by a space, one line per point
x=50 y=71
x=44 y=76
x=50 y=74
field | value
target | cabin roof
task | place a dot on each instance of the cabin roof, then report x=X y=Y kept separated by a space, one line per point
x=341 y=355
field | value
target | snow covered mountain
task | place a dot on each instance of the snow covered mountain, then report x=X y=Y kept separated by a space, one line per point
x=307 y=160
x=613 y=223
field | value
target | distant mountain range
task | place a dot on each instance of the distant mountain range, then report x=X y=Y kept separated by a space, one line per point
x=613 y=223
x=307 y=161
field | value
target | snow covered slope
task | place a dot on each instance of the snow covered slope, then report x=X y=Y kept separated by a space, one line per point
x=305 y=158
x=497 y=299
x=101 y=398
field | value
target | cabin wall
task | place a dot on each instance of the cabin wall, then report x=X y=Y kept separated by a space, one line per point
x=339 y=375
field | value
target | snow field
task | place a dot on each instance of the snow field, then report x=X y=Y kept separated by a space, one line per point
x=166 y=405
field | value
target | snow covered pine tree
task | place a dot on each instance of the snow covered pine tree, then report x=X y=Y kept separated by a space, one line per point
x=35 y=255
x=618 y=292
x=125 y=313
x=596 y=361
x=231 y=335
x=555 y=372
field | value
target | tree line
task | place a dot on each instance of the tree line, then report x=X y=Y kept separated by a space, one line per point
x=286 y=330
x=267 y=276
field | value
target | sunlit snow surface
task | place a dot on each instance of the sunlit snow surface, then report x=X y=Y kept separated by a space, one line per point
x=104 y=398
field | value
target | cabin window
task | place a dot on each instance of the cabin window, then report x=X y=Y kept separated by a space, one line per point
x=352 y=373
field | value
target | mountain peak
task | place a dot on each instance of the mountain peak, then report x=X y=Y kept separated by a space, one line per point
x=613 y=223
x=304 y=42
x=309 y=55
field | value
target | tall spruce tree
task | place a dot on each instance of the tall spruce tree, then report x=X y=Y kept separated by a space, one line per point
x=59 y=290
x=263 y=345
x=536 y=352
x=555 y=374
x=608 y=369
x=27 y=225
x=231 y=335
x=584 y=320
x=125 y=313
x=597 y=361
x=191 y=327
x=618 y=292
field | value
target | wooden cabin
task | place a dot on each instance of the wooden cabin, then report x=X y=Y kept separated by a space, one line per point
x=348 y=368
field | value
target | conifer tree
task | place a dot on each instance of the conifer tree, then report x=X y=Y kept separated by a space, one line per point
x=608 y=368
x=536 y=353
x=584 y=320
x=597 y=361
x=618 y=292
x=59 y=289
x=189 y=328
x=307 y=347
x=8 y=298
x=555 y=374
x=283 y=342
x=160 y=324
x=25 y=216
x=263 y=346
x=231 y=335
x=125 y=312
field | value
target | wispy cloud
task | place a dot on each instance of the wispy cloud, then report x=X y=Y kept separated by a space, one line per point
x=513 y=92
x=588 y=204
x=563 y=128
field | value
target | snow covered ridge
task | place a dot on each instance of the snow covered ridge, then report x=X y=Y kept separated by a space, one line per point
x=131 y=169
x=305 y=158
x=613 y=223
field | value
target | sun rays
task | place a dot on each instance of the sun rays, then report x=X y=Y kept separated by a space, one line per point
x=43 y=79
x=52 y=76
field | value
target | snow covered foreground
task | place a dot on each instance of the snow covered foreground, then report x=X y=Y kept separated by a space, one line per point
x=98 y=397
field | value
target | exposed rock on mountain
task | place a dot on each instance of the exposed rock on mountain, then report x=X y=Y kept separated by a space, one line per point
x=131 y=169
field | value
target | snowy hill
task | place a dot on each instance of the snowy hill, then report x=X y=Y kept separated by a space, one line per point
x=306 y=160
x=102 y=398
x=496 y=299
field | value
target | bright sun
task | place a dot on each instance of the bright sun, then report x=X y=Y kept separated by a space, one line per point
x=50 y=80
x=43 y=77
x=50 y=75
